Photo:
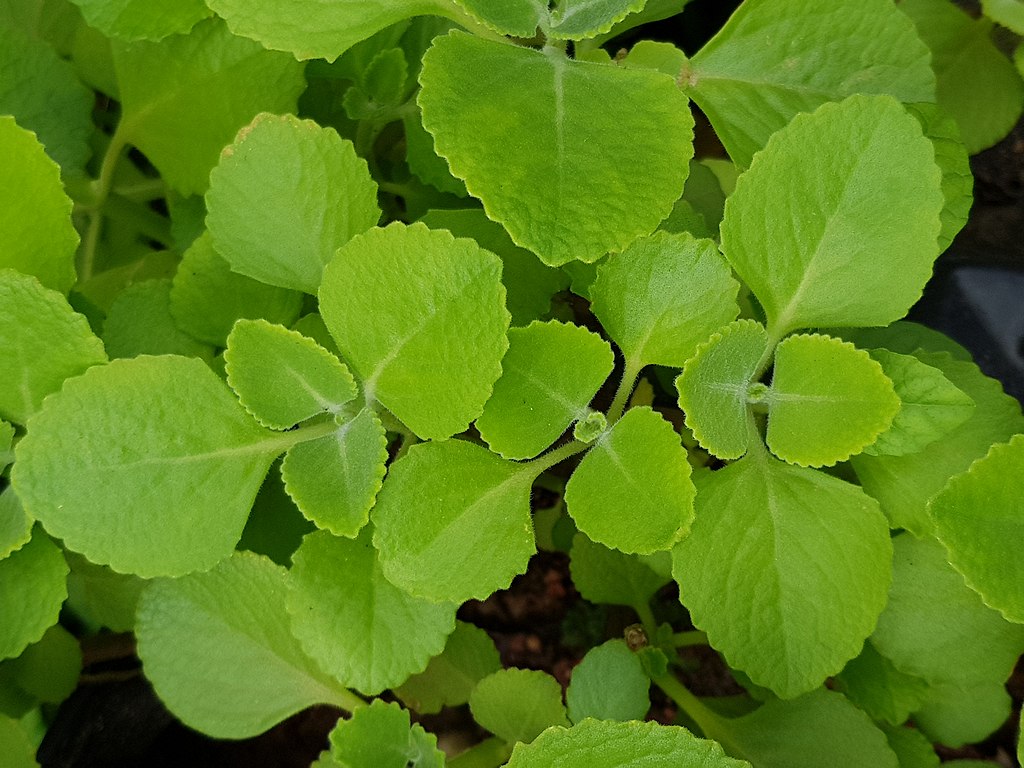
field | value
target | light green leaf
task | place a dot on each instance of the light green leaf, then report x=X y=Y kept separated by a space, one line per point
x=957 y=716
x=185 y=97
x=6 y=444
x=381 y=736
x=828 y=400
x=15 y=525
x=142 y=19
x=285 y=194
x=767 y=64
x=604 y=744
x=15 y=745
x=140 y=323
x=873 y=683
x=36 y=233
x=977 y=84
x=545 y=169
x=216 y=647
x=517 y=704
x=49 y=669
x=979 y=516
x=609 y=684
x=439 y=323
x=579 y=19
x=807 y=230
x=453 y=521
x=334 y=479
x=912 y=748
x=632 y=491
x=427 y=166
x=112 y=465
x=653 y=10
x=664 y=295
x=715 y=387
x=33 y=585
x=102 y=597
x=275 y=526
x=608 y=576
x=42 y=342
x=906 y=338
x=1009 y=13
x=550 y=373
x=468 y=657
x=283 y=377
x=785 y=568
x=519 y=18
x=359 y=627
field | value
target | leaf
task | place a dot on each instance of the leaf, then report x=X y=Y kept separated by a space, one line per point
x=517 y=704
x=426 y=166
x=907 y=338
x=15 y=525
x=36 y=233
x=142 y=19
x=1009 y=13
x=546 y=170
x=579 y=19
x=356 y=623
x=519 y=18
x=807 y=230
x=979 y=516
x=32 y=590
x=6 y=444
x=828 y=400
x=284 y=195
x=453 y=521
x=873 y=683
x=49 y=669
x=550 y=373
x=113 y=463
x=216 y=647
x=15 y=744
x=43 y=342
x=139 y=322
x=785 y=568
x=632 y=491
x=767 y=64
x=611 y=577
x=662 y=296
x=715 y=387
x=912 y=748
x=609 y=684
x=439 y=323
x=334 y=479
x=604 y=744
x=381 y=736
x=957 y=716
x=102 y=597
x=185 y=97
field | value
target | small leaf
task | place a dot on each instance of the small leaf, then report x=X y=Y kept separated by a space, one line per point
x=142 y=19
x=517 y=704
x=15 y=525
x=873 y=683
x=139 y=322
x=580 y=19
x=33 y=586
x=912 y=748
x=609 y=684
x=955 y=716
x=102 y=597
x=49 y=669
x=15 y=744
x=632 y=491
x=1009 y=13
x=511 y=17
x=611 y=577
x=381 y=736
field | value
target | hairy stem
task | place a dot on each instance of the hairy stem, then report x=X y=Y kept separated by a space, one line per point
x=487 y=754
x=100 y=190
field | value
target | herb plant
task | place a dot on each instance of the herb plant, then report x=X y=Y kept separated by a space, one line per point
x=387 y=293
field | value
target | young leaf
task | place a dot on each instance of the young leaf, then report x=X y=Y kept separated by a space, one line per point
x=632 y=491
x=517 y=704
x=359 y=627
x=955 y=716
x=785 y=568
x=873 y=683
x=43 y=340
x=453 y=521
x=550 y=373
x=139 y=322
x=662 y=296
x=381 y=736
x=547 y=173
x=285 y=194
x=439 y=323
x=142 y=19
x=828 y=400
x=611 y=577
x=609 y=684
x=33 y=586
x=15 y=744
x=124 y=495
x=1009 y=13
x=36 y=233
x=766 y=65
x=579 y=19
x=15 y=525
x=519 y=18
x=807 y=230
x=217 y=649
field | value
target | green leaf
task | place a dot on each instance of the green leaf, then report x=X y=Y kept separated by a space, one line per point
x=979 y=516
x=449 y=679
x=207 y=297
x=283 y=377
x=519 y=18
x=767 y=64
x=808 y=231
x=15 y=525
x=873 y=683
x=381 y=736
x=285 y=194
x=334 y=479
x=49 y=669
x=33 y=585
x=957 y=716
x=102 y=597
x=36 y=233
x=632 y=491
x=579 y=19
x=6 y=444
x=44 y=342
x=785 y=568
x=550 y=373
x=142 y=19
x=609 y=684
x=664 y=295
x=216 y=647
x=359 y=627
x=140 y=323
x=427 y=166
x=439 y=323
x=611 y=577
x=715 y=387
x=15 y=745
x=545 y=170
x=906 y=338
x=517 y=704
x=912 y=748
x=124 y=495
x=1009 y=13
x=185 y=97
x=453 y=521
x=977 y=84
x=828 y=400
x=604 y=744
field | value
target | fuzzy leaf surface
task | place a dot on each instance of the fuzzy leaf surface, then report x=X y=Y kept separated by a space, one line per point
x=15 y=525
x=142 y=19
x=609 y=684
x=546 y=169
x=33 y=586
x=511 y=17
x=139 y=322
x=382 y=736
x=517 y=704
x=607 y=576
x=807 y=230
x=579 y=19
x=439 y=323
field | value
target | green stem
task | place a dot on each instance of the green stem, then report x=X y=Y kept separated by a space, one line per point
x=100 y=192
x=347 y=700
x=710 y=723
x=143 y=191
x=490 y=753
x=630 y=373
x=690 y=638
x=139 y=217
x=643 y=610
x=558 y=455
